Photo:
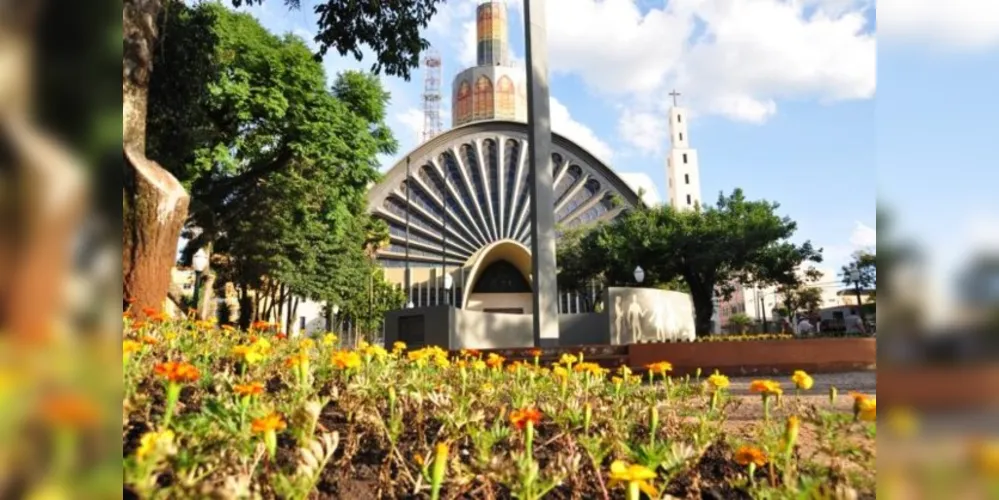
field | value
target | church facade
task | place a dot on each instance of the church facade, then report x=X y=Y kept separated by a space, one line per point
x=457 y=206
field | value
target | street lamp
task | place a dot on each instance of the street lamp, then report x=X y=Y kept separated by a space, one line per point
x=448 y=283
x=639 y=275
x=199 y=262
x=855 y=277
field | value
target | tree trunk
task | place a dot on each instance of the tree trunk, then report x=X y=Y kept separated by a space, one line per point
x=153 y=201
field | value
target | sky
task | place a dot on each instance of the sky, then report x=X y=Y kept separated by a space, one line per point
x=782 y=98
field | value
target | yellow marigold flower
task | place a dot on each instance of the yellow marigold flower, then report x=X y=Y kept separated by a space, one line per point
x=442 y=362
x=362 y=345
x=592 y=368
x=250 y=353
x=155 y=442
x=329 y=340
x=398 y=347
x=130 y=346
x=766 y=387
x=986 y=458
x=306 y=344
x=560 y=372
x=617 y=381
x=717 y=381
x=345 y=360
x=802 y=380
x=272 y=422
x=623 y=473
x=251 y=389
x=568 y=359
x=746 y=455
x=868 y=409
x=487 y=387
x=375 y=351
x=635 y=379
x=624 y=371
x=902 y=421
x=478 y=364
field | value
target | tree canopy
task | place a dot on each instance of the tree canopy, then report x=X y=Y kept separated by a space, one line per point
x=709 y=250
x=278 y=164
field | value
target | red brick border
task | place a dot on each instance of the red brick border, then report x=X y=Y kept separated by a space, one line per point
x=760 y=357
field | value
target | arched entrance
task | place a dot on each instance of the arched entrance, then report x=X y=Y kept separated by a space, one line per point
x=500 y=279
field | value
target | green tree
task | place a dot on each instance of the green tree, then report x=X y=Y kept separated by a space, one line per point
x=865 y=262
x=277 y=163
x=735 y=240
x=154 y=202
x=739 y=323
x=799 y=298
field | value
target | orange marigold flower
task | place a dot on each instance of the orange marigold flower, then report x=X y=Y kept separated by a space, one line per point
x=177 y=371
x=146 y=339
x=470 y=353
x=746 y=455
x=766 y=387
x=149 y=311
x=71 y=410
x=345 y=360
x=660 y=368
x=251 y=389
x=272 y=422
x=494 y=360
x=159 y=317
x=520 y=418
x=296 y=360
x=281 y=336
x=535 y=353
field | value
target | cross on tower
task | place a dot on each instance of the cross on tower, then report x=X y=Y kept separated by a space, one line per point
x=674 y=94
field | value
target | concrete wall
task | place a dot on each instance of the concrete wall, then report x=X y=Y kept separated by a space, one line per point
x=583 y=329
x=420 y=326
x=481 y=301
x=479 y=330
x=649 y=315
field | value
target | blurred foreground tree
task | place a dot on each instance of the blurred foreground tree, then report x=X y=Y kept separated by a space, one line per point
x=735 y=240
x=154 y=202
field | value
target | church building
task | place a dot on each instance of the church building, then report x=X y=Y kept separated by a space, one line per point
x=457 y=205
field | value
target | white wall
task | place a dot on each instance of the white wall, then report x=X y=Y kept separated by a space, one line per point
x=483 y=301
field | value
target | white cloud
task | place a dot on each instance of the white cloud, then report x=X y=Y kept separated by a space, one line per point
x=641 y=182
x=863 y=236
x=955 y=24
x=644 y=130
x=564 y=124
x=411 y=121
x=732 y=58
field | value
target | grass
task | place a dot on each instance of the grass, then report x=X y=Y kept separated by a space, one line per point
x=221 y=412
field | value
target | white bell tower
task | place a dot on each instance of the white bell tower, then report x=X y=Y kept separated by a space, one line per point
x=682 y=172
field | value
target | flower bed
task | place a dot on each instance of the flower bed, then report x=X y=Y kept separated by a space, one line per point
x=211 y=412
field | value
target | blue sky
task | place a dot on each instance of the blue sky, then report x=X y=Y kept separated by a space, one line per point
x=783 y=100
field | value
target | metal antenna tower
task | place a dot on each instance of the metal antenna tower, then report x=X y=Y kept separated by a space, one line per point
x=432 y=125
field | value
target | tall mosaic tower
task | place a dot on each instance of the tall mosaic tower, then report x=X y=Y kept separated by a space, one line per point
x=494 y=89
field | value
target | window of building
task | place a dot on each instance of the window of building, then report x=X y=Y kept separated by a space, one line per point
x=681 y=136
x=685 y=158
x=686 y=177
x=679 y=118
x=689 y=202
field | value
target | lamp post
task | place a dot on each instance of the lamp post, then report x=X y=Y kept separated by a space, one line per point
x=639 y=275
x=199 y=262
x=855 y=277
x=448 y=283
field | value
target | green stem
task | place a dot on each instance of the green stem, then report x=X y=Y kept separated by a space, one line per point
x=634 y=492
x=173 y=394
x=714 y=400
x=766 y=408
x=529 y=440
